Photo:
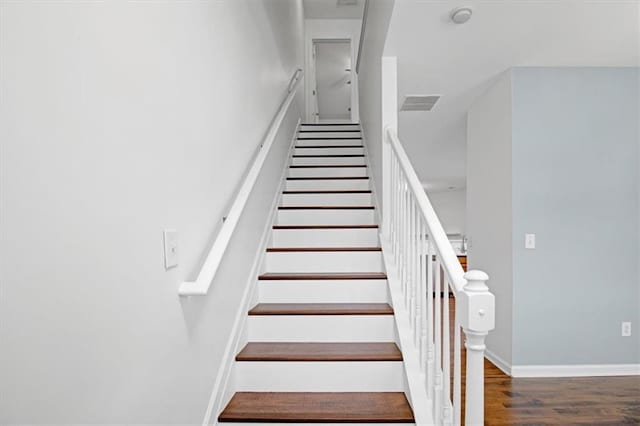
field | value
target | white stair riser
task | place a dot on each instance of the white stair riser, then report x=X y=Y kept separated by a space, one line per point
x=328 y=151
x=326 y=217
x=327 y=171
x=332 y=135
x=367 y=237
x=301 y=161
x=329 y=127
x=321 y=328
x=318 y=376
x=329 y=291
x=327 y=184
x=350 y=261
x=327 y=199
x=327 y=142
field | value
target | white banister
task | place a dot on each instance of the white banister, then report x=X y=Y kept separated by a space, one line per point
x=428 y=272
x=200 y=286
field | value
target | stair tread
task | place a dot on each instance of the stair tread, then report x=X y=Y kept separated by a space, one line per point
x=320 y=138
x=326 y=207
x=305 y=351
x=321 y=309
x=330 y=124
x=271 y=276
x=325 y=155
x=316 y=407
x=320 y=131
x=325 y=226
x=313 y=249
x=327 y=146
x=328 y=191
x=324 y=166
x=329 y=178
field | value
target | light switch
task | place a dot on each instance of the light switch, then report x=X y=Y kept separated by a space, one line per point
x=530 y=241
x=170 y=248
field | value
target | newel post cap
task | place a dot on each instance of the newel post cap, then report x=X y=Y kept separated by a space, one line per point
x=476 y=281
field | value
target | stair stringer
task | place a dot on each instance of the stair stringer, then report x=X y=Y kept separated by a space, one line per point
x=415 y=378
x=223 y=388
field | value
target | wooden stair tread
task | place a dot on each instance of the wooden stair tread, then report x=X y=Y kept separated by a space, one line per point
x=350 y=351
x=325 y=226
x=330 y=124
x=320 y=138
x=328 y=178
x=313 y=276
x=327 y=146
x=323 y=249
x=321 y=309
x=326 y=155
x=324 y=131
x=324 y=166
x=328 y=191
x=318 y=407
x=326 y=208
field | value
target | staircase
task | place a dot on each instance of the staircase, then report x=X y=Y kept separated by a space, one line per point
x=321 y=340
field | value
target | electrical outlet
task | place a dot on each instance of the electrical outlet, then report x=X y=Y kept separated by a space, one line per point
x=626 y=329
x=530 y=241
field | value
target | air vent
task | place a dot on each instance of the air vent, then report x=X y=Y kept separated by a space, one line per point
x=347 y=3
x=419 y=102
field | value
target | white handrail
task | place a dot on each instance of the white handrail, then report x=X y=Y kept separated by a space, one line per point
x=425 y=271
x=201 y=285
x=436 y=232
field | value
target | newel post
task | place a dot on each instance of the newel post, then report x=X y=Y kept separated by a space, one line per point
x=477 y=310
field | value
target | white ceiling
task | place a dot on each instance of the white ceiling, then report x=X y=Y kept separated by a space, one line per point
x=329 y=9
x=459 y=62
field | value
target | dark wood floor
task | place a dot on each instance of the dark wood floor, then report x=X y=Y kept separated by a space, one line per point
x=561 y=401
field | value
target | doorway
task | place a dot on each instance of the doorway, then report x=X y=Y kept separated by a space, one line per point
x=333 y=79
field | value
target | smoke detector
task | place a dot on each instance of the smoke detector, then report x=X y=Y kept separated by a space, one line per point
x=419 y=102
x=461 y=15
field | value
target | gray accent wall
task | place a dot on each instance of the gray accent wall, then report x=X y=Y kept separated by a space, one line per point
x=575 y=185
x=566 y=170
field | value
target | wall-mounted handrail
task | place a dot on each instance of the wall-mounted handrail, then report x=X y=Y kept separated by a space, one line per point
x=365 y=14
x=208 y=271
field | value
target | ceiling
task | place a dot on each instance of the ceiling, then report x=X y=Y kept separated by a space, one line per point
x=459 y=62
x=330 y=9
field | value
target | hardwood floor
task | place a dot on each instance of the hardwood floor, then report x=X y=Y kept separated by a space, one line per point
x=561 y=401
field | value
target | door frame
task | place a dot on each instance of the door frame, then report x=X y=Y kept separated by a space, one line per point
x=330 y=30
x=313 y=76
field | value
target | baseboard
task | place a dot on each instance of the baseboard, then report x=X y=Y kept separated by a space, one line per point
x=580 y=370
x=498 y=362
x=217 y=398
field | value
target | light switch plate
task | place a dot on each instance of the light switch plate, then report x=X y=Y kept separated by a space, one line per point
x=170 y=248
x=530 y=241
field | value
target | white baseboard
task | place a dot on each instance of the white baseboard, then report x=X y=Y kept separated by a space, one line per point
x=223 y=378
x=577 y=370
x=498 y=362
x=583 y=370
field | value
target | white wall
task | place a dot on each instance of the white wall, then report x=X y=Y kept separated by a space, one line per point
x=489 y=205
x=119 y=119
x=451 y=207
x=330 y=29
x=370 y=85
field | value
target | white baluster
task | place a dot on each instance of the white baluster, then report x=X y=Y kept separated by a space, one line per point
x=438 y=403
x=446 y=354
x=476 y=307
x=424 y=256
x=457 y=373
x=430 y=322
